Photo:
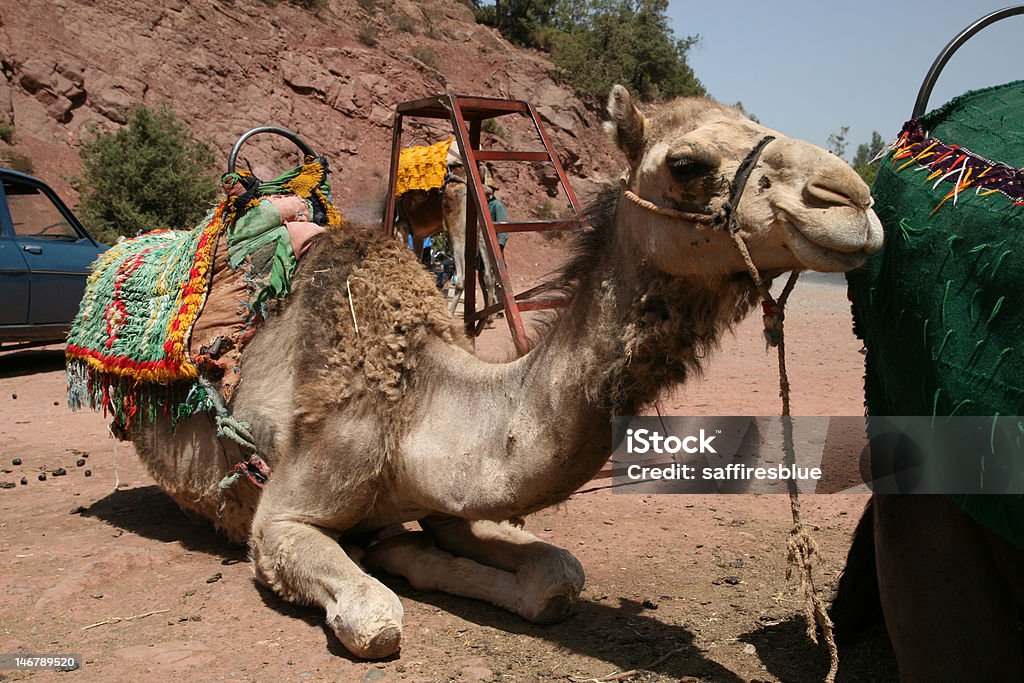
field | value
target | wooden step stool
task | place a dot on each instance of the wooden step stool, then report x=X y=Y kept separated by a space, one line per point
x=466 y=115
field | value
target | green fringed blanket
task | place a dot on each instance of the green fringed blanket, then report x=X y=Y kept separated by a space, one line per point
x=939 y=308
x=128 y=349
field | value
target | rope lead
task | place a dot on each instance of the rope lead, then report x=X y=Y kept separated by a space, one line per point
x=801 y=547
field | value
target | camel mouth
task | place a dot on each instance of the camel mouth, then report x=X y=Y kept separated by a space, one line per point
x=834 y=250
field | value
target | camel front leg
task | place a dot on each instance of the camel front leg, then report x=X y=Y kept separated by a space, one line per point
x=494 y=562
x=459 y=256
x=950 y=613
x=303 y=563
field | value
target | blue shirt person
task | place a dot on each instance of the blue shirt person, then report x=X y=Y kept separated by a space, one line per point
x=499 y=214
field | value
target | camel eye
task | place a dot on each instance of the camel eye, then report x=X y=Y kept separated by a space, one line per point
x=689 y=162
x=687 y=169
x=692 y=162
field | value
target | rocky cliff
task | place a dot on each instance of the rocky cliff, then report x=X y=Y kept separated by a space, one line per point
x=333 y=74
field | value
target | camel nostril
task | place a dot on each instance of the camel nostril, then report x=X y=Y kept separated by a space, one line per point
x=828 y=188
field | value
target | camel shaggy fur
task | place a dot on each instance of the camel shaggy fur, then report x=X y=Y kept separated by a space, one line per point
x=372 y=411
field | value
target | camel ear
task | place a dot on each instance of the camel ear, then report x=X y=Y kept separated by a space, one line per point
x=627 y=125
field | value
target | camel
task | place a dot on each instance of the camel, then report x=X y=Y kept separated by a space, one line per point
x=371 y=411
x=946 y=571
x=422 y=214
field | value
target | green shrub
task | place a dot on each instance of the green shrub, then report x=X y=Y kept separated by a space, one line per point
x=866 y=153
x=368 y=35
x=425 y=55
x=549 y=210
x=7 y=133
x=439 y=242
x=150 y=174
x=598 y=43
x=405 y=24
x=647 y=57
x=16 y=162
x=493 y=127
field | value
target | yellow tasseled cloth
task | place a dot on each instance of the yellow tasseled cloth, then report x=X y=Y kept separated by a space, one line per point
x=422 y=167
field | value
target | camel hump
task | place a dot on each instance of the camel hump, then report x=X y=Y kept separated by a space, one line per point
x=360 y=298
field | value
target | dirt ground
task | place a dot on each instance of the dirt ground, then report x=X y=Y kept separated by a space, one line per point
x=679 y=587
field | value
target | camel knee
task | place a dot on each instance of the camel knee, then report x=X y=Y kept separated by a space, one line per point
x=304 y=564
x=551 y=586
x=368 y=621
x=362 y=612
x=547 y=579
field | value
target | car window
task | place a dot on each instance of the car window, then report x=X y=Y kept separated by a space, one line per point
x=34 y=214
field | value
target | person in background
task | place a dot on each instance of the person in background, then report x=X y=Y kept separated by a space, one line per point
x=443 y=269
x=499 y=214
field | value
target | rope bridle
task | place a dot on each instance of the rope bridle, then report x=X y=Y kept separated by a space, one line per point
x=801 y=546
x=725 y=218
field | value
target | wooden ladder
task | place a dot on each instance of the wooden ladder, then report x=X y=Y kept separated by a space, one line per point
x=466 y=115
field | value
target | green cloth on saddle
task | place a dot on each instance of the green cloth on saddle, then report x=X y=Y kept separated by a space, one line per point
x=140 y=300
x=939 y=308
x=260 y=236
x=128 y=349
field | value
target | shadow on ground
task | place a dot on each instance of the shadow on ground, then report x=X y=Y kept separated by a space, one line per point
x=149 y=512
x=625 y=635
x=313 y=616
x=31 y=361
x=789 y=655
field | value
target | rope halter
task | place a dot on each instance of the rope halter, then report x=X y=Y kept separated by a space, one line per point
x=773 y=310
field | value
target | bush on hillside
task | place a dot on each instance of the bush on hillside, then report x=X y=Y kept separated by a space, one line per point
x=598 y=43
x=150 y=174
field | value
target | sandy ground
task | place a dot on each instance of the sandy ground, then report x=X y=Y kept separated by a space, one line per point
x=679 y=587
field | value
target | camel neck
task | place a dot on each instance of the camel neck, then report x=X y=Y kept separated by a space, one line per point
x=630 y=333
x=539 y=427
x=632 y=330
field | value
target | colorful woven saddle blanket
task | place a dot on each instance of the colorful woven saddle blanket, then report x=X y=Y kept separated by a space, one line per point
x=145 y=295
x=939 y=308
x=425 y=167
x=141 y=300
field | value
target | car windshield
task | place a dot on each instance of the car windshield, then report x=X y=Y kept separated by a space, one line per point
x=34 y=214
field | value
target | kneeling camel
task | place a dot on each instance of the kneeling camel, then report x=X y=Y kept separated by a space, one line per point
x=372 y=411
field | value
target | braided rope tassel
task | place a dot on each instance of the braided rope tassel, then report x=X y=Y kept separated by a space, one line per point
x=801 y=546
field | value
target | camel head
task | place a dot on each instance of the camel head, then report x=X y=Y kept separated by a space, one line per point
x=800 y=207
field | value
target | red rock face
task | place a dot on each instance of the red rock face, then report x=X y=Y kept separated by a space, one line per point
x=334 y=76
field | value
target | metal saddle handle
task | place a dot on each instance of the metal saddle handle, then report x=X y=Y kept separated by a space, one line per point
x=953 y=46
x=287 y=134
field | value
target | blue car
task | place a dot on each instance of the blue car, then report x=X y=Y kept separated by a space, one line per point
x=45 y=255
